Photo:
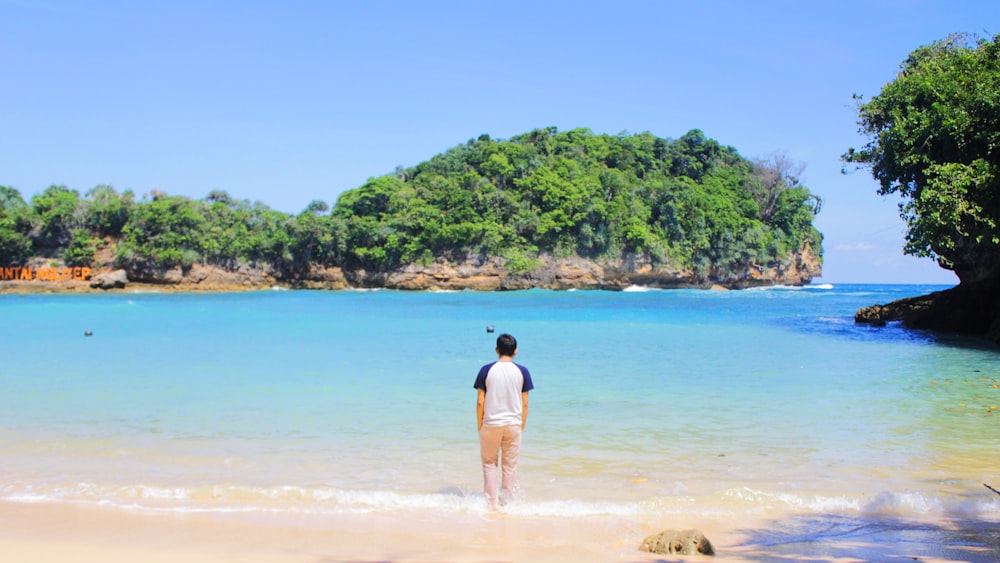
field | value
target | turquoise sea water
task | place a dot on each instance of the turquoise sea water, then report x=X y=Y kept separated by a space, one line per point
x=647 y=403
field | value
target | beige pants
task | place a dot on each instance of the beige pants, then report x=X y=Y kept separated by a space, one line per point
x=493 y=440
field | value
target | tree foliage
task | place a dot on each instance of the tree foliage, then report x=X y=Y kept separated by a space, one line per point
x=15 y=227
x=691 y=202
x=934 y=139
x=57 y=209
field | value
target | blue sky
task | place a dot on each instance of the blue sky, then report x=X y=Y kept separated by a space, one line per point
x=287 y=102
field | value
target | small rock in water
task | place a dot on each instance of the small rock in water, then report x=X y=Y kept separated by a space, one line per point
x=489 y=328
x=88 y=333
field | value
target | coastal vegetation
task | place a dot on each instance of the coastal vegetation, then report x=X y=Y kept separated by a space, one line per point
x=690 y=204
x=934 y=139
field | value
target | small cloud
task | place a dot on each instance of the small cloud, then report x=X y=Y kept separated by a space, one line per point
x=856 y=247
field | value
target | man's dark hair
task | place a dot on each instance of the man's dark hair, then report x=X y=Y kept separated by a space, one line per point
x=506 y=345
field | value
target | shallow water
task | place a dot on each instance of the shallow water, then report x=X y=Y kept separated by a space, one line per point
x=647 y=403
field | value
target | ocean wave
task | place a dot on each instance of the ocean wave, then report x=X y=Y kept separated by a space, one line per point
x=240 y=499
x=905 y=503
x=817 y=287
x=889 y=504
x=325 y=500
x=774 y=288
x=820 y=503
x=638 y=289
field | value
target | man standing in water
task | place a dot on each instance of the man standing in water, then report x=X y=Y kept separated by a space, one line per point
x=501 y=411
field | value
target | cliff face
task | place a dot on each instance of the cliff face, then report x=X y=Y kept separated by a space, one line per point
x=475 y=273
x=489 y=274
x=579 y=273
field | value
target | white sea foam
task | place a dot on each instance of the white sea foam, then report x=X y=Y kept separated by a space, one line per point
x=27 y=498
x=319 y=500
x=637 y=289
x=820 y=287
x=779 y=288
x=892 y=504
x=571 y=508
x=903 y=503
x=818 y=502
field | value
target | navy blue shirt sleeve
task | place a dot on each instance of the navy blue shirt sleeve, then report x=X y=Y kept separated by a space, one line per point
x=528 y=385
x=481 y=378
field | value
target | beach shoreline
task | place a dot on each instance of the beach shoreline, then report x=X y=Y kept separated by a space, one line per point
x=52 y=532
x=44 y=532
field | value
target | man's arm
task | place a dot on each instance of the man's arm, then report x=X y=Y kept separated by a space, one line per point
x=524 y=409
x=480 y=406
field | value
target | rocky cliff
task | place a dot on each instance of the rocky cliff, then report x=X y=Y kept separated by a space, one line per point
x=579 y=273
x=971 y=309
x=475 y=273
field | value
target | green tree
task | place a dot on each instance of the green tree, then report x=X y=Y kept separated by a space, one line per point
x=106 y=211
x=15 y=226
x=57 y=211
x=80 y=251
x=934 y=139
x=165 y=232
x=691 y=202
x=318 y=239
x=227 y=229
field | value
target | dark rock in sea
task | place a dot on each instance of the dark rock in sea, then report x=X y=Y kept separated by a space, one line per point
x=678 y=542
x=968 y=309
x=116 y=279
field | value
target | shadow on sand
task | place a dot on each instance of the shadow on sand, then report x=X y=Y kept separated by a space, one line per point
x=846 y=538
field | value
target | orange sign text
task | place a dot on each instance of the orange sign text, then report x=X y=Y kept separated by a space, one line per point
x=18 y=273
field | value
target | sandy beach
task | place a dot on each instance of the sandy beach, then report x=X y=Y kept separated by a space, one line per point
x=55 y=533
x=38 y=532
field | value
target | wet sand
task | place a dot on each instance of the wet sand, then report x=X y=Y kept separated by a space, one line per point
x=50 y=533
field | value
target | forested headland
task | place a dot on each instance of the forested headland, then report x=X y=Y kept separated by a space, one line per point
x=934 y=140
x=547 y=208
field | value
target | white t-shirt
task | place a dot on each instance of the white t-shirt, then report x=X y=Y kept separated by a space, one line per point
x=503 y=383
